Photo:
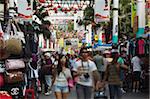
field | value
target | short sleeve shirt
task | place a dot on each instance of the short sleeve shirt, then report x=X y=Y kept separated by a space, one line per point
x=87 y=67
x=61 y=79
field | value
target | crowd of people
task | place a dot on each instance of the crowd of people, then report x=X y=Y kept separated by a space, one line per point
x=91 y=71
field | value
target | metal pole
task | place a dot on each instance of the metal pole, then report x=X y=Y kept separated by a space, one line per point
x=6 y=11
x=115 y=21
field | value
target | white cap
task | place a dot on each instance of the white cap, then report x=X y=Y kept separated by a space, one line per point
x=47 y=54
x=106 y=52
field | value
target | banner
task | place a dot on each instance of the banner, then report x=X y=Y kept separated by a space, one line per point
x=133 y=12
x=148 y=13
x=61 y=42
x=102 y=10
x=25 y=8
x=2 y=10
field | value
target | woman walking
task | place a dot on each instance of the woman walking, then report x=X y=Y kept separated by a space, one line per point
x=112 y=74
x=62 y=75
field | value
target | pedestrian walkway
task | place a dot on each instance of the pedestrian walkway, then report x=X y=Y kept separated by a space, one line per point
x=129 y=95
x=136 y=96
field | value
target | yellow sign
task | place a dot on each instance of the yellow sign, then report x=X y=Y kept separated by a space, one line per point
x=61 y=42
x=79 y=45
x=96 y=37
x=133 y=12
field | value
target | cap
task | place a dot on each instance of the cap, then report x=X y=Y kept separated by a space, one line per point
x=47 y=54
x=106 y=52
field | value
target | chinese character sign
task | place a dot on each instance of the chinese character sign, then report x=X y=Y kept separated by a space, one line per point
x=25 y=8
x=102 y=10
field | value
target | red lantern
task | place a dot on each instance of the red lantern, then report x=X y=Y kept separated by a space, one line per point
x=50 y=5
x=56 y=11
x=68 y=9
x=75 y=11
x=55 y=8
x=58 y=6
x=42 y=1
x=65 y=10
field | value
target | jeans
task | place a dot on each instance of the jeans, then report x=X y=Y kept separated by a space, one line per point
x=115 y=92
x=48 y=82
x=84 y=92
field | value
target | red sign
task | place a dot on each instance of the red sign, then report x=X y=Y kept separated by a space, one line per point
x=135 y=24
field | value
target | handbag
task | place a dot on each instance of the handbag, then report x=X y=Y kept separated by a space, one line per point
x=70 y=83
x=14 y=46
x=4 y=54
x=13 y=43
x=12 y=64
x=2 y=68
x=18 y=32
x=5 y=95
x=14 y=77
x=2 y=43
x=1 y=80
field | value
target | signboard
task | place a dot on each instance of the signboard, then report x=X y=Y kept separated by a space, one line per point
x=61 y=42
x=148 y=13
x=102 y=10
x=133 y=12
x=25 y=8
x=135 y=24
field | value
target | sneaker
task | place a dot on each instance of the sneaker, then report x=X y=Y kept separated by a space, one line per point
x=123 y=91
x=48 y=93
x=137 y=91
x=133 y=90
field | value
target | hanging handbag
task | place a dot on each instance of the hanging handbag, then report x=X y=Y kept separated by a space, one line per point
x=2 y=68
x=14 y=44
x=12 y=64
x=4 y=54
x=5 y=95
x=69 y=80
x=18 y=32
x=70 y=83
x=2 y=43
x=14 y=77
x=1 y=80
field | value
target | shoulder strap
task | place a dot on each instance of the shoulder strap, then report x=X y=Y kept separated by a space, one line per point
x=64 y=75
x=87 y=62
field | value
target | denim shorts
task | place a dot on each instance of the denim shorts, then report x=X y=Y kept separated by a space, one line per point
x=63 y=89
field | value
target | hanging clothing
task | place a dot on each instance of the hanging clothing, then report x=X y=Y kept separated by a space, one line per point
x=32 y=72
x=141 y=44
x=132 y=48
x=147 y=43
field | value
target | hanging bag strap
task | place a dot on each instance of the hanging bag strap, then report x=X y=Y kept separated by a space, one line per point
x=84 y=66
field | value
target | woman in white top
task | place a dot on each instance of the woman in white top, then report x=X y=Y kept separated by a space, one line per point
x=61 y=84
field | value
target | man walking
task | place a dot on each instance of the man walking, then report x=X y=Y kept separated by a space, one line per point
x=86 y=71
x=99 y=61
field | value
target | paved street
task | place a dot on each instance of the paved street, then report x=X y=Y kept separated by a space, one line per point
x=125 y=96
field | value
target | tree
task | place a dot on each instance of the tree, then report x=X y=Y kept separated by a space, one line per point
x=125 y=18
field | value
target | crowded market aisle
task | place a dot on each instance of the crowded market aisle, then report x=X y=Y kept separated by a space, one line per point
x=74 y=49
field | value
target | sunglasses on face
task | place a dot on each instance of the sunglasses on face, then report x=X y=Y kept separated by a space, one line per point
x=84 y=52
